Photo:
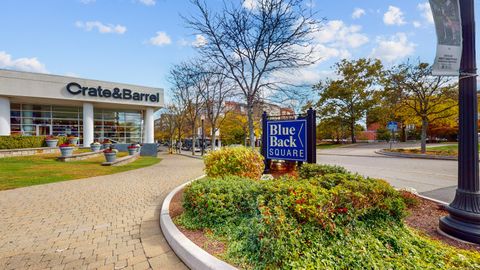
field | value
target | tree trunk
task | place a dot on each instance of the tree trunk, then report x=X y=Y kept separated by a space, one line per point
x=352 y=132
x=424 y=135
x=214 y=137
x=251 y=127
x=194 y=137
x=404 y=133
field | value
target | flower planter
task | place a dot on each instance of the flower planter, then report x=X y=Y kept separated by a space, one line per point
x=110 y=157
x=106 y=145
x=73 y=140
x=51 y=143
x=95 y=147
x=67 y=151
x=132 y=151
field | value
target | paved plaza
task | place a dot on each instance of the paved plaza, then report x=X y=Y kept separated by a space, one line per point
x=106 y=222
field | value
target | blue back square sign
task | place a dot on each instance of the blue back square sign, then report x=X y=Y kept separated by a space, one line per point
x=287 y=140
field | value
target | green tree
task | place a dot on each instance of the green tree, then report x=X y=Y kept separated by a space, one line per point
x=425 y=97
x=350 y=95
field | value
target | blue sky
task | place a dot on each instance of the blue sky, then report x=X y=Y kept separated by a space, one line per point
x=137 y=41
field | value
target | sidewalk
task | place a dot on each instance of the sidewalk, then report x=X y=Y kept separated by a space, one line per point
x=106 y=222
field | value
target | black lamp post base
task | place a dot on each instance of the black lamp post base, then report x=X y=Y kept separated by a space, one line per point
x=461 y=224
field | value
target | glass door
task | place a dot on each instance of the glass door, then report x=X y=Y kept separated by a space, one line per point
x=44 y=130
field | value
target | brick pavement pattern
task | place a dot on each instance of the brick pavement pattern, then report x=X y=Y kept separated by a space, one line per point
x=106 y=222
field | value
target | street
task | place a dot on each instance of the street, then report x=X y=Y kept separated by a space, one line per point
x=433 y=178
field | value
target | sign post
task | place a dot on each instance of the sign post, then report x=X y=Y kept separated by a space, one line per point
x=463 y=220
x=393 y=127
x=289 y=139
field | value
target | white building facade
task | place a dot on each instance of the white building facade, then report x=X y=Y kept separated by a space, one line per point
x=33 y=104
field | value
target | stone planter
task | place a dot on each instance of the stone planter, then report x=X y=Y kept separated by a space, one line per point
x=95 y=147
x=51 y=143
x=132 y=151
x=73 y=140
x=67 y=151
x=110 y=157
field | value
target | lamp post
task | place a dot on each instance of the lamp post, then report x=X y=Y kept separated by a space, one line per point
x=203 y=134
x=463 y=221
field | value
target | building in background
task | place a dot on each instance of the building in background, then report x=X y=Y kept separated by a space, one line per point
x=34 y=104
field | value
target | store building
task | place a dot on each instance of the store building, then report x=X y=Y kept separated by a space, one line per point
x=41 y=104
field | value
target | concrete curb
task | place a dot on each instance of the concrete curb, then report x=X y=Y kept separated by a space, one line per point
x=419 y=156
x=192 y=255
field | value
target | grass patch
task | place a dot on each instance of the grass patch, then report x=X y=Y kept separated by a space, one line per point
x=16 y=172
x=329 y=145
x=437 y=150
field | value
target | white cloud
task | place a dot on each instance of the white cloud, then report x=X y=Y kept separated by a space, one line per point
x=200 y=41
x=338 y=34
x=426 y=12
x=101 y=28
x=250 y=4
x=160 y=39
x=394 y=16
x=357 y=13
x=87 y=1
x=22 y=64
x=393 y=48
x=147 y=2
x=416 y=24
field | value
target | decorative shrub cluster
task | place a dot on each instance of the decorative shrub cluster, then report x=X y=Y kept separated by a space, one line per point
x=330 y=220
x=238 y=161
x=18 y=142
x=311 y=170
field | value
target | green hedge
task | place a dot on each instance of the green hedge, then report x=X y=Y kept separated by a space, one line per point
x=331 y=220
x=18 y=142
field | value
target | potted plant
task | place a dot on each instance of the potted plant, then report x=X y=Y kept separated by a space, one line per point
x=106 y=144
x=72 y=140
x=67 y=149
x=51 y=141
x=138 y=145
x=95 y=146
x=110 y=154
x=132 y=149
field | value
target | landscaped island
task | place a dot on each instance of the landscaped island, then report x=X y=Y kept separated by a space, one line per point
x=324 y=218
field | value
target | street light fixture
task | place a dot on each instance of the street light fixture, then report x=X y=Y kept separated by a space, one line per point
x=203 y=134
x=464 y=219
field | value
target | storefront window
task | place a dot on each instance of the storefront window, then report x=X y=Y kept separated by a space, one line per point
x=30 y=120
x=123 y=127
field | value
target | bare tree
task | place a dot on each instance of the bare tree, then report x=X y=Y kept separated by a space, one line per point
x=189 y=89
x=168 y=124
x=217 y=90
x=428 y=97
x=252 y=43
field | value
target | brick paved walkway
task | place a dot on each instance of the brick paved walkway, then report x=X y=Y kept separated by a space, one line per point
x=106 y=222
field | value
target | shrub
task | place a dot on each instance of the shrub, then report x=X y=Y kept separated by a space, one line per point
x=239 y=161
x=328 y=221
x=18 y=142
x=312 y=170
x=212 y=201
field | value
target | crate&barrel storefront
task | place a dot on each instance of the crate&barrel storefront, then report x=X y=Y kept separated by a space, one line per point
x=34 y=104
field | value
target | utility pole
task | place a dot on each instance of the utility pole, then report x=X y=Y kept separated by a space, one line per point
x=464 y=219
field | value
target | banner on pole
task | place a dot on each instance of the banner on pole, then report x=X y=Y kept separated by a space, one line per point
x=448 y=25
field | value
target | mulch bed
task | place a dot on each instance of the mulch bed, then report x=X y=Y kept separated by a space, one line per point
x=423 y=217
x=199 y=237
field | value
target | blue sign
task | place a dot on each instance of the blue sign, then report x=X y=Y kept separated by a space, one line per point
x=393 y=126
x=287 y=140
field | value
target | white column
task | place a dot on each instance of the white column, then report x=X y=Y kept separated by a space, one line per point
x=87 y=124
x=148 y=122
x=4 y=116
